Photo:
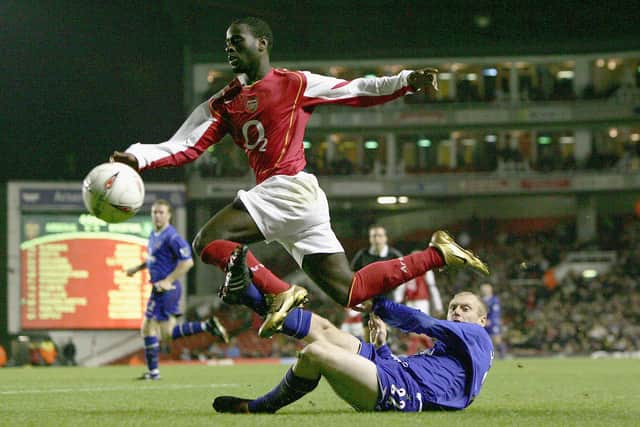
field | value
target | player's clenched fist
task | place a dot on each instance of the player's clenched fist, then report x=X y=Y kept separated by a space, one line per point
x=425 y=79
x=126 y=158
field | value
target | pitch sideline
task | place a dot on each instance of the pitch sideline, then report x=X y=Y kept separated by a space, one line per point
x=120 y=388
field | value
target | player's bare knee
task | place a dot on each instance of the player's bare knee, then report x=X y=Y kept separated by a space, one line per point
x=147 y=329
x=166 y=329
x=321 y=328
x=314 y=353
x=307 y=353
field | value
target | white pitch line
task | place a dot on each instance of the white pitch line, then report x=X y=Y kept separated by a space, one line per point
x=120 y=388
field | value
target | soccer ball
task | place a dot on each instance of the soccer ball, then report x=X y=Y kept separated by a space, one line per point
x=113 y=192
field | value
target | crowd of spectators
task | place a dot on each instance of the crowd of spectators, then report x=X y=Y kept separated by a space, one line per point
x=575 y=316
x=38 y=350
x=501 y=157
x=582 y=316
x=536 y=83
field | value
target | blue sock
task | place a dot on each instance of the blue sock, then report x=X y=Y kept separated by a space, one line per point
x=297 y=323
x=187 y=328
x=290 y=389
x=152 y=352
x=254 y=299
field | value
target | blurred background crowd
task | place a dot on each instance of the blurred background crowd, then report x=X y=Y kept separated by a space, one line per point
x=580 y=313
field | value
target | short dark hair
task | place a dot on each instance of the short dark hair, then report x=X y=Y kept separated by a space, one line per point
x=258 y=27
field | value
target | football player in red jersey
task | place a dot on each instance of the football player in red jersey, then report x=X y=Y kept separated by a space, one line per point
x=266 y=110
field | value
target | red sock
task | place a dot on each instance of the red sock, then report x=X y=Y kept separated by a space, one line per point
x=383 y=276
x=217 y=253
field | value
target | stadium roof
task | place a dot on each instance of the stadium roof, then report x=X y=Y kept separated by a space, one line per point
x=374 y=29
x=82 y=81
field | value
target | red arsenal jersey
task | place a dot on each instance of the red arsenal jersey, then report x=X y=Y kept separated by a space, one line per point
x=417 y=289
x=423 y=287
x=266 y=119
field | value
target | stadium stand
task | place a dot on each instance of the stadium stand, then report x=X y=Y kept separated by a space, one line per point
x=578 y=315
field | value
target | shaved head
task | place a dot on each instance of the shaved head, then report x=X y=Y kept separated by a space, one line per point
x=467 y=307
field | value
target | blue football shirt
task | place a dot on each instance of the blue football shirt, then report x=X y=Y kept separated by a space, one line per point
x=165 y=250
x=493 y=310
x=454 y=370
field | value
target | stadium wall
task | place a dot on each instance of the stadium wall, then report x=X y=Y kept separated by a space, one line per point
x=4 y=308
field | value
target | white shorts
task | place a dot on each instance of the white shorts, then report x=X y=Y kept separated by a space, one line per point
x=293 y=211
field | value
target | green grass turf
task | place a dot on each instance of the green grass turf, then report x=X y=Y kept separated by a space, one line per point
x=524 y=392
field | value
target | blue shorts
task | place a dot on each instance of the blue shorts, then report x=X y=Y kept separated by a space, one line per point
x=398 y=391
x=162 y=305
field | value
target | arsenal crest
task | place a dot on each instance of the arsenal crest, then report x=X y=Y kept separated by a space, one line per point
x=252 y=104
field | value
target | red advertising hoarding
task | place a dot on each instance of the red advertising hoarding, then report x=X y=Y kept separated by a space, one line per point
x=77 y=279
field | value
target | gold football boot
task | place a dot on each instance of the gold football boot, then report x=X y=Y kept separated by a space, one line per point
x=455 y=255
x=279 y=305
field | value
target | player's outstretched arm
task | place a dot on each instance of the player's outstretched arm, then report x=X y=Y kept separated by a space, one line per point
x=360 y=92
x=133 y=270
x=203 y=128
x=366 y=91
x=409 y=319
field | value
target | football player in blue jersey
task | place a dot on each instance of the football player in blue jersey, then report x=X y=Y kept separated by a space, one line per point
x=369 y=377
x=169 y=257
x=494 y=318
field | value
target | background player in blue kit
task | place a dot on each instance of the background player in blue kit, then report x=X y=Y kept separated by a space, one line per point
x=370 y=378
x=169 y=257
x=494 y=318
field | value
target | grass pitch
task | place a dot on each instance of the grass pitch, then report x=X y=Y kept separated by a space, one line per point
x=522 y=392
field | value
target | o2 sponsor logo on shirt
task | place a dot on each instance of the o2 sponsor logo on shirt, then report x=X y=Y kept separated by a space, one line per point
x=260 y=142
